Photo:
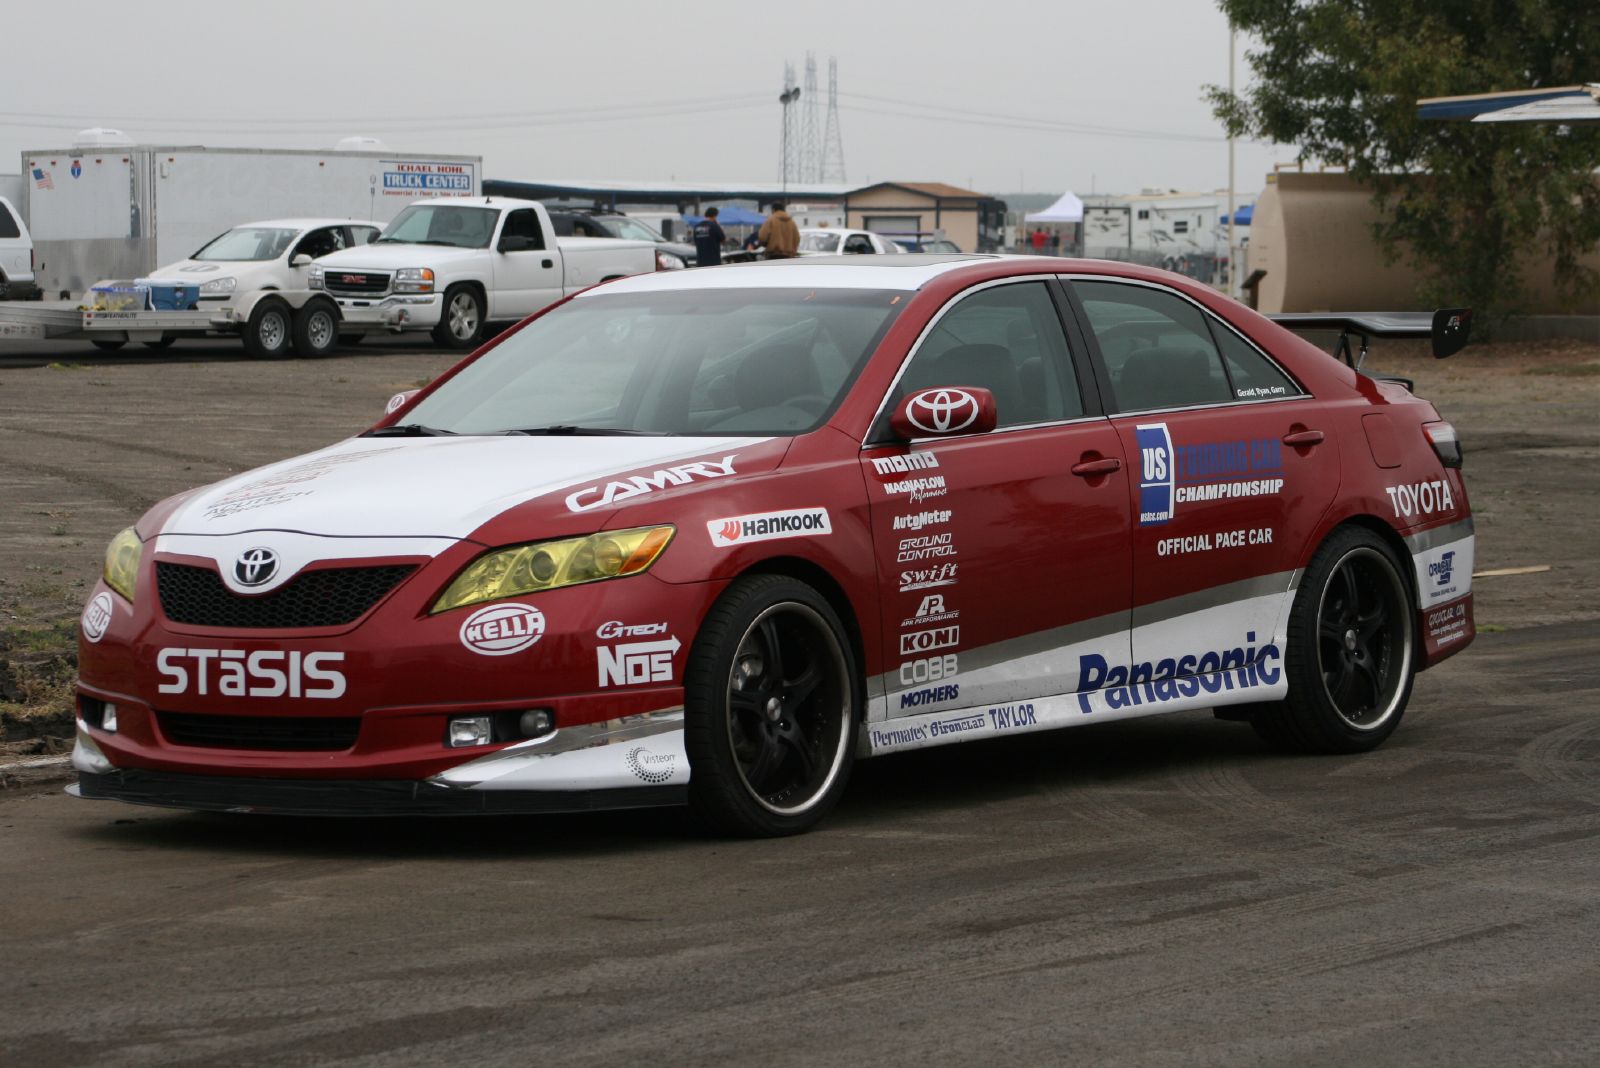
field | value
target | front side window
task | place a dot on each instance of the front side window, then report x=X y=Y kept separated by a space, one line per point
x=247 y=244
x=319 y=243
x=439 y=224
x=1156 y=347
x=708 y=363
x=524 y=223
x=1007 y=339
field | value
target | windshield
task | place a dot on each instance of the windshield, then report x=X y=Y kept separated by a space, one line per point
x=439 y=224
x=247 y=244
x=819 y=242
x=631 y=229
x=693 y=362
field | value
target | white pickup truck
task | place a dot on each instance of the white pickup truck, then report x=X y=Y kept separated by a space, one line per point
x=451 y=265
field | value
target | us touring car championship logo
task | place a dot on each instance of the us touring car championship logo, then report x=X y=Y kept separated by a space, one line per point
x=1172 y=475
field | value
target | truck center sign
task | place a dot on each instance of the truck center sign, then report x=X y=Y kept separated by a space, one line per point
x=410 y=178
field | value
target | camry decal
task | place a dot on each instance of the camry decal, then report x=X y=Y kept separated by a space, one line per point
x=607 y=493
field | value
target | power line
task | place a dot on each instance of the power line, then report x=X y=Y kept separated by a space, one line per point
x=943 y=113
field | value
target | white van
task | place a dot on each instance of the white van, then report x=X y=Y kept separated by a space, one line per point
x=16 y=255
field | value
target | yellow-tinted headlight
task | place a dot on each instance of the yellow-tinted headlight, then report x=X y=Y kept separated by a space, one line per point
x=122 y=562
x=549 y=565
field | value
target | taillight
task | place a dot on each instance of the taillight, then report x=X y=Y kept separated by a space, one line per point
x=1446 y=445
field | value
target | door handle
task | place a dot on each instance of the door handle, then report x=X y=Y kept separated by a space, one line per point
x=547 y=263
x=1091 y=468
x=1301 y=439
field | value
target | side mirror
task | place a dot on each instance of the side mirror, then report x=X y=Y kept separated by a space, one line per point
x=944 y=412
x=399 y=400
x=517 y=243
x=300 y=259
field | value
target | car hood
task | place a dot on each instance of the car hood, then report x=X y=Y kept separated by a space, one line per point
x=199 y=272
x=392 y=256
x=447 y=487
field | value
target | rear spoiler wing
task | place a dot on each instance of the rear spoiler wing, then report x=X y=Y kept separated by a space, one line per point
x=1447 y=328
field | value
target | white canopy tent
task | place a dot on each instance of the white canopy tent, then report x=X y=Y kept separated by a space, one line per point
x=1069 y=209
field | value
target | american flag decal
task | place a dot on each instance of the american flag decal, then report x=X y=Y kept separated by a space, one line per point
x=41 y=178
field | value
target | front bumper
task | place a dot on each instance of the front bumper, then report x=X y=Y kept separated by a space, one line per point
x=411 y=312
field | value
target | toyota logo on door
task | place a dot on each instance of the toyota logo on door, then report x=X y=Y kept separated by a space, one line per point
x=255 y=567
x=945 y=410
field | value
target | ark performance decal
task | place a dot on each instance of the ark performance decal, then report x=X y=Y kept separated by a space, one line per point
x=1171 y=475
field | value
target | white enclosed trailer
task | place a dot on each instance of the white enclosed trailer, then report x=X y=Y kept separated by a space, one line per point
x=101 y=211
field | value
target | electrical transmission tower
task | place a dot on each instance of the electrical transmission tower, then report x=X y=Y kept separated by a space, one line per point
x=810 y=163
x=830 y=166
x=786 y=155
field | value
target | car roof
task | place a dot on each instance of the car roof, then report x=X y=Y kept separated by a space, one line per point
x=909 y=272
x=306 y=224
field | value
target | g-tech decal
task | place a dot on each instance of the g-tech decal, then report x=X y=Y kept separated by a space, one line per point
x=1172 y=474
x=768 y=526
x=502 y=629
x=97 y=616
x=238 y=673
x=918 y=520
x=1420 y=499
x=910 y=461
x=637 y=663
x=601 y=495
x=614 y=629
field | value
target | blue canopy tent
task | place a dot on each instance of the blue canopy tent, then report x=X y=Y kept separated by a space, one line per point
x=732 y=215
x=1240 y=217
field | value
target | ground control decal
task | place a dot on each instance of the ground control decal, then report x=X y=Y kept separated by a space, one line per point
x=1173 y=474
x=768 y=526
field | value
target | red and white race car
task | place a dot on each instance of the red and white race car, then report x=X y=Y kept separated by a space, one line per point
x=711 y=536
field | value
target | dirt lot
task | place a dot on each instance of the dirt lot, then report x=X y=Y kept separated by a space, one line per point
x=89 y=442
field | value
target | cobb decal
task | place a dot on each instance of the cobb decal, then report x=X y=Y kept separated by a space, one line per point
x=502 y=629
x=1170 y=475
x=767 y=526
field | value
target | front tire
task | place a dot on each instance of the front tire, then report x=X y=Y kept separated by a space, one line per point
x=1352 y=650
x=267 y=334
x=460 y=319
x=771 y=694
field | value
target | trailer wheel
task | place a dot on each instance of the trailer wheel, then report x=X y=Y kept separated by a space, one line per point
x=461 y=318
x=106 y=344
x=316 y=329
x=267 y=334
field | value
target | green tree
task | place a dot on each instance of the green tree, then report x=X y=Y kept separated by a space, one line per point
x=1341 y=79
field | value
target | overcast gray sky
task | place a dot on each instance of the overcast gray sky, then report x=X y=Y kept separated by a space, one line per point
x=998 y=94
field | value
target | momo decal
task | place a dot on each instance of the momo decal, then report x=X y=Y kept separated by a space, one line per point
x=918 y=520
x=637 y=663
x=924 y=547
x=1172 y=474
x=1221 y=539
x=931 y=610
x=622 y=489
x=924 y=578
x=97 y=616
x=926 y=641
x=1240 y=668
x=911 y=461
x=236 y=673
x=766 y=526
x=929 y=669
x=502 y=629
x=1421 y=498
x=651 y=767
x=617 y=629
x=932 y=695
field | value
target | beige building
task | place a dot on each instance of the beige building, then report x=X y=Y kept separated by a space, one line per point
x=972 y=220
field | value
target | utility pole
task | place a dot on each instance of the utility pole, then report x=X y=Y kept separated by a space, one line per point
x=1233 y=266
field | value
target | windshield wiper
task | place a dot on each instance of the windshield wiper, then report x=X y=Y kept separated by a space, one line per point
x=564 y=430
x=407 y=430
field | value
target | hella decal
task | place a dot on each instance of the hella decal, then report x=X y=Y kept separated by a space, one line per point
x=502 y=629
x=767 y=526
x=236 y=673
x=926 y=641
x=911 y=461
x=622 y=489
x=1420 y=498
x=97 y=616
x=918 y=520
x=1170 y=475
x=1149 y=682
x=637 y=662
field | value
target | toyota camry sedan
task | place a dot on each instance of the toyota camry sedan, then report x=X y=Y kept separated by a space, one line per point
x=710 y=537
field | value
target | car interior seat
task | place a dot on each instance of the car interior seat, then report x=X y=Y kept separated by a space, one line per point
x=1168 y=376
x=988 y=367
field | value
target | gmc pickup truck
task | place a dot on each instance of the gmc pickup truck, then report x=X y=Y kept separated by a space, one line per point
x=453 y=264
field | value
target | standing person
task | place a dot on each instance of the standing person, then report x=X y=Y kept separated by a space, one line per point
x=1055 y=242
x=780 y=235
x=1038 y=241
x=708 y=239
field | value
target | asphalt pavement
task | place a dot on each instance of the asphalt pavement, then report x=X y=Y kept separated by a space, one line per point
x=1155 y=892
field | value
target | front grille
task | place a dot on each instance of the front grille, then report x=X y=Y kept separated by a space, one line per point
x=331 y=597
x=284 y=733
x=355 y=283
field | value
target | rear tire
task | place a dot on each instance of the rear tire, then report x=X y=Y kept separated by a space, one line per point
x=771 y=696
x=268 y=333
x=316 y=329
x=1352 y=650
x=106 y=344
x=460 y=323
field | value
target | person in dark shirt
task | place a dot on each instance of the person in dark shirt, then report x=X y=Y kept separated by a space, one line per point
x=708 y=238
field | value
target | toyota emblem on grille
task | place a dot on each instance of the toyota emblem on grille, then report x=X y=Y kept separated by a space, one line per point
x=353 y=279
x=255 y=567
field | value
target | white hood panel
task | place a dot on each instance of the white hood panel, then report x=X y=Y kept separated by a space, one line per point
x=439 y=487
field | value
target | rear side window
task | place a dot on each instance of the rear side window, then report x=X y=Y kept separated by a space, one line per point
x=1156 y=347
x=8 y=223
x=1254 y=376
